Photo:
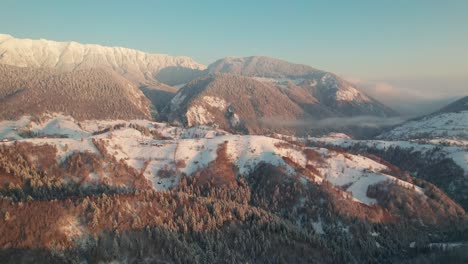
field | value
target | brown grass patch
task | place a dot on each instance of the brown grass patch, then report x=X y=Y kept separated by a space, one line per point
x=180 y=164
x=313 y=155
x=219 y=172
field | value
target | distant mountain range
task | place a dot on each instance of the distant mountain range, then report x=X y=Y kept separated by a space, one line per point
x=137 y=66
x=261 y=94
x=250 y=95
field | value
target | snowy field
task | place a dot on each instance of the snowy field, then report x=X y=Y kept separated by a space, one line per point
x=446 y=125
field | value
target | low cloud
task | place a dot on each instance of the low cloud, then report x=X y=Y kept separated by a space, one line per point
x=385 y=89
x=335 y=122
x=414 y=97
x=360 y=121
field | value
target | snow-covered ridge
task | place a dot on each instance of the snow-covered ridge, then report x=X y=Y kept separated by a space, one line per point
x=134 y=64
x=183 y=151
x=282 y=82
x=261 y=66
x=198 y=114
x=457 y=150
x=447 y=125
x=343 y=93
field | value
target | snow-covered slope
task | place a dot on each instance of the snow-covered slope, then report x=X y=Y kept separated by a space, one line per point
x=163 y=153
x=260 y=66
x=449 y=122
x=441 y=161
x=440 y=148
x=444 y=125
x=137 y=66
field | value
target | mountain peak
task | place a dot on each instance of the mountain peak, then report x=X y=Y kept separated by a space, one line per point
x=261 y=66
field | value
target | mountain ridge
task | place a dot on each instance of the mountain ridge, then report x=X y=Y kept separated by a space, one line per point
x=138 y=66
x=327 y=87
x=315 y=95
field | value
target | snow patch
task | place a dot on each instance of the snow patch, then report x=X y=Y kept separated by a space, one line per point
x=350 y=93
x=318 y=227
x=177 y=101
x=198 y=115
x=215 y=102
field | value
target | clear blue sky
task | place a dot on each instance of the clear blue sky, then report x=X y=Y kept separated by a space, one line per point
x=367 y=39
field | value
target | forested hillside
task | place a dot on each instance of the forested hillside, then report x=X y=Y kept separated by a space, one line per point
x=83 y=94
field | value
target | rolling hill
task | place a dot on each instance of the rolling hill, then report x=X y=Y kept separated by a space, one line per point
x=118 y=190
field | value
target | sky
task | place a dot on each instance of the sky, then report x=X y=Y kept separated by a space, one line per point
x=406 y=44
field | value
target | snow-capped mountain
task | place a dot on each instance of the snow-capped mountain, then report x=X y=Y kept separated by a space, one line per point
x=312 y=94
x=327 y=88
x=269 y=95
x=261 y=66
x=137 y=66
x=442 y=161
x=449 y=122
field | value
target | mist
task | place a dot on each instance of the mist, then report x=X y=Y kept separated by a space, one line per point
x=335 y=122
x=415 y=97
